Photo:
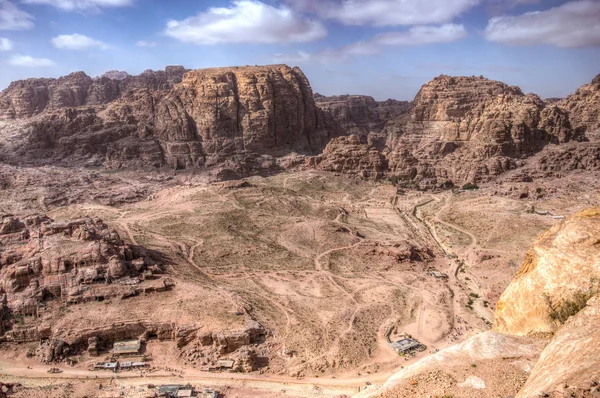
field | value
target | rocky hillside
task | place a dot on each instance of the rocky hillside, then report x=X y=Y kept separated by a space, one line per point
x=173 y=118
x=550 y=310
x=559 y=274
x=245 y=120
x=471 y=129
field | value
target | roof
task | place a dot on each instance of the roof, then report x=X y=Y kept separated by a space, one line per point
x=185 y=393
x=225 y=363
x=405 y=344
x=169 y=389
x=127 y=347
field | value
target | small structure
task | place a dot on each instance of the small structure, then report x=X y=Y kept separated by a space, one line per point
x=126 y=348
x=185 y=392
x=210 y=393
x=168 y=391
x=222 y=365
x=106 y=366
x=437 y=274
x=132 y=365
x=407 y=345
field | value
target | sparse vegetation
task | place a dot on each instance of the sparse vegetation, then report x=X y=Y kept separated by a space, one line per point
x=474 y=295
x=568 y=308
x=470 y=186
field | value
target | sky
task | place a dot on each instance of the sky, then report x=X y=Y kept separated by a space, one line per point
x=383 y=48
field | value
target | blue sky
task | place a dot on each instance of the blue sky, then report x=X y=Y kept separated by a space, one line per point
x=384 y=48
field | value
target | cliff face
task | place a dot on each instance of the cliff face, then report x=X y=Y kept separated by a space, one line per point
x=27 y=98
x=559 y=274
x=584 y=109
x=470 y=129
x=198 y=119
x=459 y=129
x=361 y=115
x=570 y=361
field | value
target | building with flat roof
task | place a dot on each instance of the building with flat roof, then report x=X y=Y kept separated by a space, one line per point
x=128 y=347
x=405 y=345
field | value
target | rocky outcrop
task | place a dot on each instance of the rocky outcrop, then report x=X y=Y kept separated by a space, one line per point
x=350 y=156
x=361 y=115
x=27 y=98
x=559 y=274
x=70 y=261
x=583 y=108
x=472 y=129
x=568 y=365
x=459 y=129
x=201 y=119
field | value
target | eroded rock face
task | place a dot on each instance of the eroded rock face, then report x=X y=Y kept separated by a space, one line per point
x=182 y=120
x=350 y=156
x=471 y=129
x=559 y=274
x=569 y=363
x=71 y=261
x=584 y=110
x=361 y=115
x=460 y=129
x=27 y=98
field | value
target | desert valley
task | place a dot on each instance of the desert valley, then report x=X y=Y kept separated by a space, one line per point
x=229 y=230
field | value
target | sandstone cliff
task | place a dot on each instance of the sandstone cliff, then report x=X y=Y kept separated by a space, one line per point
x=183 y=120
x=548 y=317
x=243 y=120
x=465 y=129
x=568 y=366
x=559 y=274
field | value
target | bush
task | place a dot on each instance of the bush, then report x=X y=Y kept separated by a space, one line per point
x=474 y=295
x=568 y=308
x=470 y=186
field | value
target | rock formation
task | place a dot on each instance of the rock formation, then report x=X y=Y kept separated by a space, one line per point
x=569 y=363
x=559 y=274
x=362 y=115
x=245 y=119
x=550 y=310
x=182 y=120
x=68 y=262
x=467 y=129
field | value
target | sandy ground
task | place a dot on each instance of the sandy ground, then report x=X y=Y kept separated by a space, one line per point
x=312 y=257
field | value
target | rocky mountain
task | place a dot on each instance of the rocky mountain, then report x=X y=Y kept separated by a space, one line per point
x=463 y=129
x=361 y=115
x=244 y=120
x=166 y=118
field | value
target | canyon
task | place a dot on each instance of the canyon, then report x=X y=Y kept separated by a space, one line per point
x=231 y=214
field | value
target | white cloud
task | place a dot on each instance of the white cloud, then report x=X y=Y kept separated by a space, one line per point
x=77 y=42
x=386 y=12
x=246 y=21
x=144 y=43
x=71 y=5
x=421 y=35
x=573 y=24
x=5 y=44
x=12 y=18
x=415 y=36
x=30 y=62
